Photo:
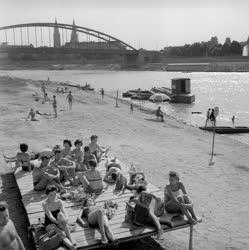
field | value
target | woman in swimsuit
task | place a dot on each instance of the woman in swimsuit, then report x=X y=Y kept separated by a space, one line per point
x=91 y=179
x=175 y=202
x=67 y=152
x=96 y=217
x=77 y=155
x=56 y=218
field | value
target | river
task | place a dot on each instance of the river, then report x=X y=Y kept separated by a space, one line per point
x=228 y=91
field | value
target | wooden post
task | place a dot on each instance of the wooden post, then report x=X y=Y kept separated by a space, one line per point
x=117 y=100
x=191 y=237
x=212 y=154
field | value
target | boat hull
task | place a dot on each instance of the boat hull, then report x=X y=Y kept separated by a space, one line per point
x=226 y=130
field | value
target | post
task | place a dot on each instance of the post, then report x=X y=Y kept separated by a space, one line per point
x=191 y=237
x=212 y=154
x=117 y=100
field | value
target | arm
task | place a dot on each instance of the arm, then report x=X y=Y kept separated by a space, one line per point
x=63 y=210
x=79 y=218
x=185 y=196
x=99 y=148
x=48 y=213
x=28 y=116
x=19 y=242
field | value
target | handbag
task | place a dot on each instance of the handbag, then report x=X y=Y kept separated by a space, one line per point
x=49 y=241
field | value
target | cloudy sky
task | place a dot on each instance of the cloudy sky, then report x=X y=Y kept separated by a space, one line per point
x=150 y=24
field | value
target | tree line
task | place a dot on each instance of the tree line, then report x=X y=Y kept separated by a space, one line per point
x=210 y=48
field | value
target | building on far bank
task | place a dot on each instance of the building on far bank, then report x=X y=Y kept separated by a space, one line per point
x=57 y=37
x=245 y=50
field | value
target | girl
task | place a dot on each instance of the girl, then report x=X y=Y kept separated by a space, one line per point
x=175 y=202
x=56 y=218
x=96 y=217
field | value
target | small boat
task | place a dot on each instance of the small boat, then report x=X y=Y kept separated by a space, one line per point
x=138 y=94
x=226 y=130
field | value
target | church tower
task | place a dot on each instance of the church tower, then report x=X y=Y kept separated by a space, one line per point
x=57 y=37
x=74 y=36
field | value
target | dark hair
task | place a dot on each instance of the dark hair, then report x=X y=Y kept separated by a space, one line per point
x=93 y=137
x=114 y=176
x=44 y=156
x=174 y=174
x=86 y=200
x=24 y=147
x=54 y=96
x=86 y=149
x=68 y=142
x=51 y=188
x=78 y=142
x=3 y=206
x=92 y=163
x=141 y=189
x=57 y=149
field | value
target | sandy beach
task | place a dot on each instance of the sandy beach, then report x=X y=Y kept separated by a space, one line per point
x=219 y=191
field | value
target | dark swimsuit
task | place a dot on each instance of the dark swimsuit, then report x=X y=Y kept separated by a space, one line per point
x=48 y=221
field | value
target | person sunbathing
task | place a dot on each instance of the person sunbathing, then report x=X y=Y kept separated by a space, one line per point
x=95 y=148
x=9 y=238
x=56 y=218
x=22 y=159
x=96 y=217
x=67 y=152
x=111 y=167
x=31 y=114
x=65 y=165
x=91 y=179
x=175 y=202
x=46 y=175
x=77 y=156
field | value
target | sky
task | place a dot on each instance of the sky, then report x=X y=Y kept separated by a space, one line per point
x=148 y=24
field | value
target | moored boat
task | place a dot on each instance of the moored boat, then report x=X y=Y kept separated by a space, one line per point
x=226 y=129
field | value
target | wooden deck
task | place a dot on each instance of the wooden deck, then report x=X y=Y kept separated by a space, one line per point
x=89 y=238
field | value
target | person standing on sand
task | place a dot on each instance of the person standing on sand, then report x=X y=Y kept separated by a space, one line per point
x=131 y=108
x=233 y=118
x=43 y=89
x=9 y=238
x=102 y=93
x=207 y=117
x=55 y=106
x=70 y=99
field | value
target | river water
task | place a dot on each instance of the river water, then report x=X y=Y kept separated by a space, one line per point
x=228 y=91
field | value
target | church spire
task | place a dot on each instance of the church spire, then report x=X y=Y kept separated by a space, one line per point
x=57 y=37
x=74 y=36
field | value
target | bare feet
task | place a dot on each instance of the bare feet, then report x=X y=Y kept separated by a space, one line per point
x=192 y=221
x=104 y=240
x=160 y=233
x=198 y=219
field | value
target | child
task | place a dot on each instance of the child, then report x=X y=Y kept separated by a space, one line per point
x=87 y=157
x=55 y=106
x=95 y=148
x=178 y=203
x=31 y=115
x=22 y=159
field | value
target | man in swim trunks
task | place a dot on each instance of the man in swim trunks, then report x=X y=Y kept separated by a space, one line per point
x=70 y=99
x=55 y=106
x=31 y=115
x=9 y=239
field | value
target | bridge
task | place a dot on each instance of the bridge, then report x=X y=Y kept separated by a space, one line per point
x=35 y=41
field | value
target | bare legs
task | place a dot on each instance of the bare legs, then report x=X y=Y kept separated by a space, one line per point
x=154 y=218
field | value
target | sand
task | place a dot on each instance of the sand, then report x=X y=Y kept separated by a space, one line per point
x=219 y=191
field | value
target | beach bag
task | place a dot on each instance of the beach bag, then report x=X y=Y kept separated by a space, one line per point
x=49 y=241
x=130 y=212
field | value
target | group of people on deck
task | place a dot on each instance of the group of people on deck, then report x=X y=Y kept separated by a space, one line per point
x=61 y=167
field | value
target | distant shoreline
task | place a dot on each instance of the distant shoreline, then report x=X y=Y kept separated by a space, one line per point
x=184 y=65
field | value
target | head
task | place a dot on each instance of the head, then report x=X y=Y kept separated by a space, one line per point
x=54 y=96
x=67 y=144
x=70 y=92
x=89 y=202
x=138 y=177
x=94 y=138
x=4 y=213
x=114 y=176
x=51 y=192
x=173 y=177
x=57 y=152
x=24 y=147
x=86 y=149
x=45 y=160
x=78 y=143
x=92 y=164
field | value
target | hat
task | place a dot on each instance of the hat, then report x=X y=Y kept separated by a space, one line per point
x=56 y=149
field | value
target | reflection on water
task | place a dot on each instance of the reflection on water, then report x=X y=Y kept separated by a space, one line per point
x=228 y=91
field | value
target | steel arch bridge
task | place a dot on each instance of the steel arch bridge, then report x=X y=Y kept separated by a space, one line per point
x=91 y=32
